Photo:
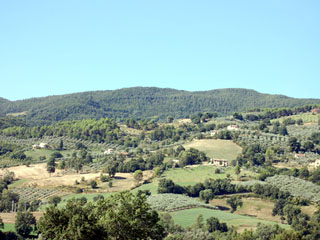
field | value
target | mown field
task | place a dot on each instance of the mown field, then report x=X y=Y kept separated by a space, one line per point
x=193 y=175
x=188 y=218
x=219 y=149
x=254 y=207
x=8 y=227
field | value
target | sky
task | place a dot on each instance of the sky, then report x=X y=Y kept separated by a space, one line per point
x=58 y=47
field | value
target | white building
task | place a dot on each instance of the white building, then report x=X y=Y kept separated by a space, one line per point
x=109 y=151
x=233 y=127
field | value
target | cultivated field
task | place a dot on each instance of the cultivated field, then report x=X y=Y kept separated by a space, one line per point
x=306 y=118
x=219 y=149
x=192 y=175
x=9 y=218
x=37 y=175
x=240 y=222
x=254 y=207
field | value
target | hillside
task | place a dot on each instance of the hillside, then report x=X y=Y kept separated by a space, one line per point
x=143 y=102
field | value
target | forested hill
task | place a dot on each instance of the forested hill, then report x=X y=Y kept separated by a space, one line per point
x=143 y=102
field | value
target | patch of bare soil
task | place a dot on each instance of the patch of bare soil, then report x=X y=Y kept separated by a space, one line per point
x=37 y=175
x=253 y=207
x=11 y=217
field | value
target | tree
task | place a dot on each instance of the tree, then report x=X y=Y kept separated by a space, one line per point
x=213 y=225
x=206 y=195
x=111 y=168
x=278 y=207
x=93 y=184
x=304 y=172
x=168 y=186
x=55 y=200
x=62 y=164
x=283 y=130
x=157 y=172
x=60 y=145
x=237 y=170
x=267 y=232
x=199 y=221
x=237 y=116
x=128 y=216
x=166 y=221
x=138 y=175
x=170 y=119
x=24 y=223
x=51 y=165
x=294 y=144
x=74 y=221
x=300 y=121
x=234 y=202
x=7 y=198
x=1 y=223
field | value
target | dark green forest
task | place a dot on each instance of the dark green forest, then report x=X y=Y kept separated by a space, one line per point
x=144 y=102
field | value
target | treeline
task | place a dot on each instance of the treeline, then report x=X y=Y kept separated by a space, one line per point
x=218 y=187
x=102 y=130
x=12 y=151
x=141 y=103
x=6 y=122
x=144 y=124
x=273 y=113
x=118 y=163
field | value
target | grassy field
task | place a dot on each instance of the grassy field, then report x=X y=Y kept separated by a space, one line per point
x=188 y=217
x=17 y=183
x=193 y=175
x=219 y=149
x=306 y=118
x=152 y=187
x=8 y=227
x=88 y=196
x=255 y=207
x=36 y=153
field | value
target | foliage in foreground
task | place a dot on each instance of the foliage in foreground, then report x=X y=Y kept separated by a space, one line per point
x=121 y=216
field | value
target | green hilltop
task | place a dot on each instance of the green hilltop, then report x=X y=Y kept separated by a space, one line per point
x=144 y=102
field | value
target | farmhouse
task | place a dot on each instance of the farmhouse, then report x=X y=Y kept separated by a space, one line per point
x=233 y=127
x=219 y=162
x=40 y=146
x=213 y=132
x=317 y=163
x=109 y=151
x=299 y=155
x=316 y=110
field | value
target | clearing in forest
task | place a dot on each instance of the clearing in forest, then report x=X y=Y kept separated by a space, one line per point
x=216 y=148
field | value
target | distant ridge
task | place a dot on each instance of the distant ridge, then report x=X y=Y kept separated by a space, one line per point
x=144 y=102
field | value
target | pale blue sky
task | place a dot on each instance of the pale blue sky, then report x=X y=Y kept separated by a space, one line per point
x=64 y=46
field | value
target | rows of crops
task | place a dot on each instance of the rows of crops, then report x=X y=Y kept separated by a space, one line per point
x=53 y=141
x=296 y=187
x=174 y=202
x=266 y=139
x=303 y=132
x=28 y=194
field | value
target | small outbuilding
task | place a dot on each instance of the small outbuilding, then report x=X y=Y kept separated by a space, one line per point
x=40 y=146
x=220 y=162
x=233 y=127
x=108 y=152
